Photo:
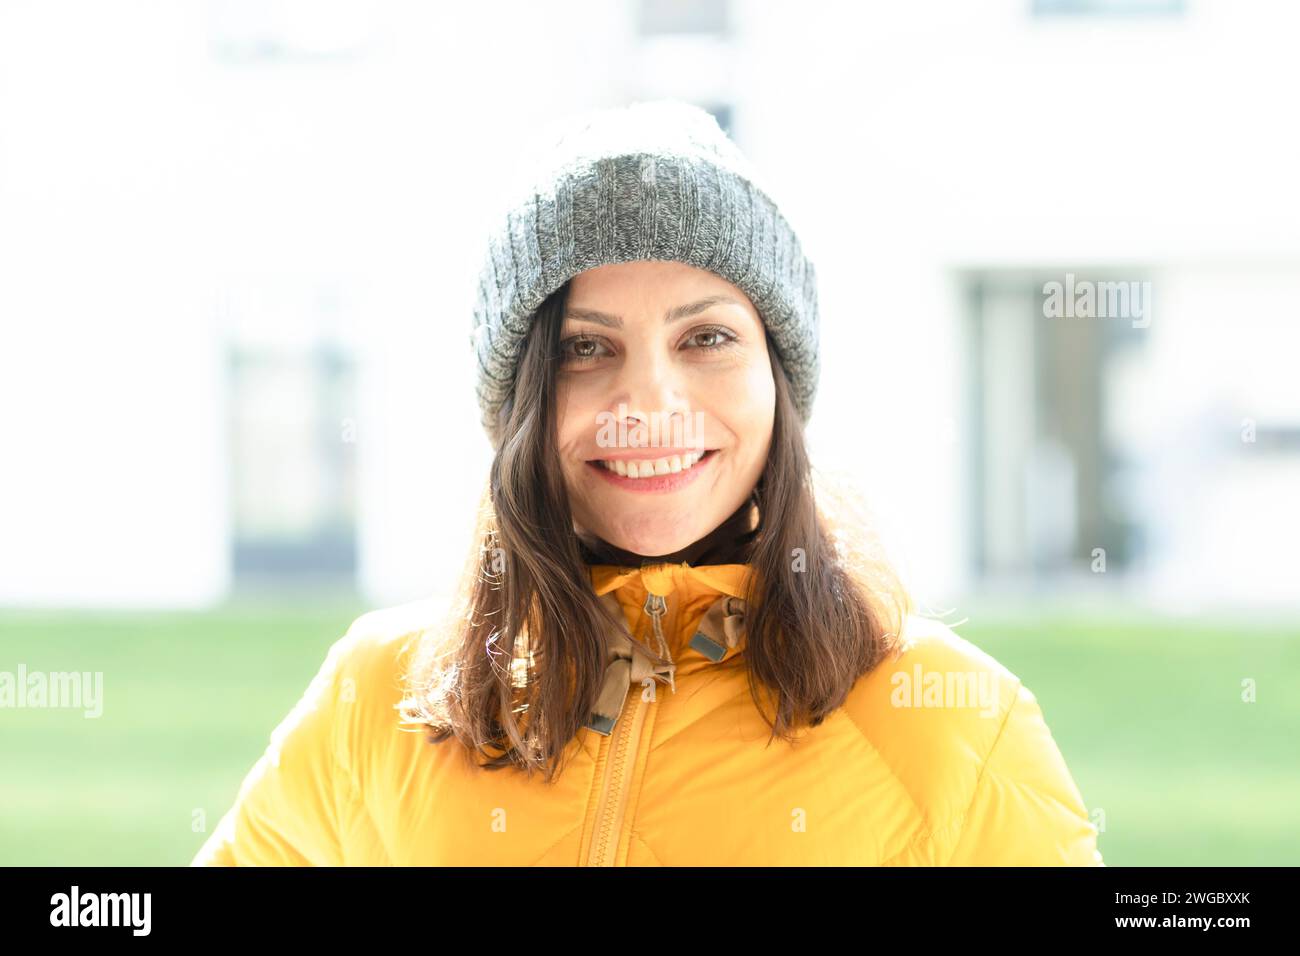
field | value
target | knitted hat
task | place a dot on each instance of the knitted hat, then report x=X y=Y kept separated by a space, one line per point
x=654 y=180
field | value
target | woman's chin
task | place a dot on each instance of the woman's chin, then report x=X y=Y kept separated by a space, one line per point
x=652 y=549
x=651 y=544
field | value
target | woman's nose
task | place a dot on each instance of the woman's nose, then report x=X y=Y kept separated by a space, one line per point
x=652 y=386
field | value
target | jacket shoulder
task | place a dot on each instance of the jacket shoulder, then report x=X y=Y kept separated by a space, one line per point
x=381 y=636
x=932 y=711
x=295 y=805
x=968 y=742
x=373 y=658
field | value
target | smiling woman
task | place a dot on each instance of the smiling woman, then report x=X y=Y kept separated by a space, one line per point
x=707 y=360
x=638 y=623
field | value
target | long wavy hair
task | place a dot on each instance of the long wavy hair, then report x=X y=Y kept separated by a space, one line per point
x=514 y=671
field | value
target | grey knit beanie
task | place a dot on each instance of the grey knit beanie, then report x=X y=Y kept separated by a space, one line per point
x=654 y=180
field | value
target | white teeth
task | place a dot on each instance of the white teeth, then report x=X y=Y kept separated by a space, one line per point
x=659 y=466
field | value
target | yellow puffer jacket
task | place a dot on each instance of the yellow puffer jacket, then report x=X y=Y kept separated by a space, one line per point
x=674 y=768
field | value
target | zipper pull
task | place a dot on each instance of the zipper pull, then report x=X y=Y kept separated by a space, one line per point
x=655 y=606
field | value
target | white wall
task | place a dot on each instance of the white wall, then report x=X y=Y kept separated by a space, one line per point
x=141 y=176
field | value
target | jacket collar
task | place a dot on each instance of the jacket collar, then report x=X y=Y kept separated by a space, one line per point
x=663 y=578
x=717 y=635
x=714 y=592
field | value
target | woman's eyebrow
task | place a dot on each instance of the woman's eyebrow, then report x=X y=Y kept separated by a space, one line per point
x=675 y=314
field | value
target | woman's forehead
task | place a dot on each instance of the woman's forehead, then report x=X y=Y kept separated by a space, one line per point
x=633 y=289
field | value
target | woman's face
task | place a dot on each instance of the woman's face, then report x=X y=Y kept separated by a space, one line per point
x=661 y=346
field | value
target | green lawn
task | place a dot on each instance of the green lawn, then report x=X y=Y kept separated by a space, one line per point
x=1148 y=713
x=189 y=702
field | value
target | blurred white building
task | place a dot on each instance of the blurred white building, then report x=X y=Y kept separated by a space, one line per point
x=238 y=243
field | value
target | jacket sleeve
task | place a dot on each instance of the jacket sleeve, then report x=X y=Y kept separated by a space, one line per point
x=1026 y=809
x=287 y=809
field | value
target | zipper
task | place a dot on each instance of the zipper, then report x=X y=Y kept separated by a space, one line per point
x=620 y=761
x=656 y=605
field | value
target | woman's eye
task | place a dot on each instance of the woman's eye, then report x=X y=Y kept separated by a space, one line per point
x=580 y=349
x=712 y=339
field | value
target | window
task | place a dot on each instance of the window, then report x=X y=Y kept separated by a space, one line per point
x=683 y=16
x=1048 y=475
x=293 y=468
x=1044 y=8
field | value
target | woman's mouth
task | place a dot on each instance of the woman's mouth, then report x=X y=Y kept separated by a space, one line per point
x=667 y=473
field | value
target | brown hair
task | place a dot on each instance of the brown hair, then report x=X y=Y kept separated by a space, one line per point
x=515 y=671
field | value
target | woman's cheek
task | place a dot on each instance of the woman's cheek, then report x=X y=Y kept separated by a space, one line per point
x=750 y=388
x=578 y=400
x=570 y=408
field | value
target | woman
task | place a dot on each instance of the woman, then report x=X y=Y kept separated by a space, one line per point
x=668 y=649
